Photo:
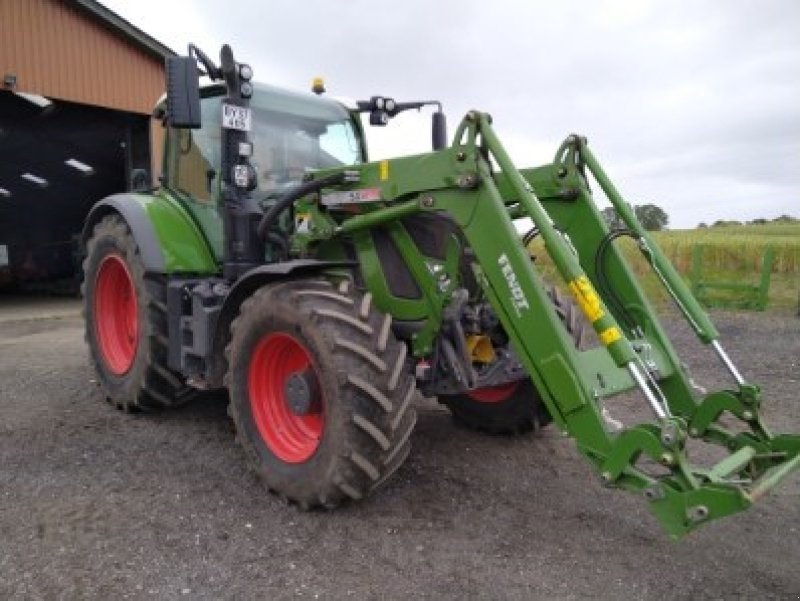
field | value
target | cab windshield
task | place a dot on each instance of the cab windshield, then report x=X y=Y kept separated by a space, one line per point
x=292 y=133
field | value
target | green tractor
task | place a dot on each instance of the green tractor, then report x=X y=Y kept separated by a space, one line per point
x=324 y=292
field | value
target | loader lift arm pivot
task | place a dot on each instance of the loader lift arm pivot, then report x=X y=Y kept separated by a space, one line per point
x=461 y=183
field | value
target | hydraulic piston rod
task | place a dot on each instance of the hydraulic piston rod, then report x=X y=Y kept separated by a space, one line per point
x=727 y=362
x=658 y=408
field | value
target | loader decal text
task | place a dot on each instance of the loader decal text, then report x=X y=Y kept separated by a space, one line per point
x=518 y=298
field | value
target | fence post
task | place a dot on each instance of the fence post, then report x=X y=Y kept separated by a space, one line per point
x=766 y=274
x=697 y=268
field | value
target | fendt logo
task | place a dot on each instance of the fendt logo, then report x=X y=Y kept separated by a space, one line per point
x=518 y=298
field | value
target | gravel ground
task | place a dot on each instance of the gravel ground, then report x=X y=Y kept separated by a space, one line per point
x=97 y=504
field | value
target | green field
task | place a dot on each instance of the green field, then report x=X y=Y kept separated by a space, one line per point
x=731 y=253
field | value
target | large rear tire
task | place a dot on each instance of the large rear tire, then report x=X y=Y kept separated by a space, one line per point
x=125 y=313
x=321 y=392
x=516 y=407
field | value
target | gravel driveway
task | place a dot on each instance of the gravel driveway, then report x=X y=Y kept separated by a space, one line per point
x=97 y=504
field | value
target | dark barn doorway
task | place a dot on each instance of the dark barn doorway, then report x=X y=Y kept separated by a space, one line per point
x=56 y=160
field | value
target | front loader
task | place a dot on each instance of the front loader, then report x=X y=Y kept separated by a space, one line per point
x=324 y=291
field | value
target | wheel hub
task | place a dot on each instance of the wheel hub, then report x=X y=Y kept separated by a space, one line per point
x=302 y=392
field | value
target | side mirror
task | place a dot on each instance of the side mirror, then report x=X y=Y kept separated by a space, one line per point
x=439 y=130
x=183 y=92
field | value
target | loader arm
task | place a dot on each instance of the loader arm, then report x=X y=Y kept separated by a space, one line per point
x=634 y=351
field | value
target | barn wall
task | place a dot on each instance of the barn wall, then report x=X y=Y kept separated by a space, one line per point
x=56 y=50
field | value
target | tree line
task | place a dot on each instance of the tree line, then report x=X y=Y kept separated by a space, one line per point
x=652 y=217
x=759 y=221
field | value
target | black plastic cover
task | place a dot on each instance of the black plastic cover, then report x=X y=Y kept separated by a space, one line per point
x=183 y=92
x=439 y=130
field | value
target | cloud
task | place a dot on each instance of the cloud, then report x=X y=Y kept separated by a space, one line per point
x=693 y=104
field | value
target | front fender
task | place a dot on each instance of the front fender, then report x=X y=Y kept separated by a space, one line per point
x=244 y=288
x=169 y=240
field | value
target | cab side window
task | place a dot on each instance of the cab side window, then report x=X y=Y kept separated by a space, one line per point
x=194 y=156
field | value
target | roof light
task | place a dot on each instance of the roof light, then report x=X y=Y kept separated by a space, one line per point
x=5 y=193
x=82 y=167
x=35 y=179
x=318 y=85
x=36 y=99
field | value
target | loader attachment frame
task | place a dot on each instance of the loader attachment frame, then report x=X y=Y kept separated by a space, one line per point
x=634 y=351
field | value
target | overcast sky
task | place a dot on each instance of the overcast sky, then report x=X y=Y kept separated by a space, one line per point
x=691 y=105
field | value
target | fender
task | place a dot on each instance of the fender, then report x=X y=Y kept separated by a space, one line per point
x=168 y=238
x=243 y=289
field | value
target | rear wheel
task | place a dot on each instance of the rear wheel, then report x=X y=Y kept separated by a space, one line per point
x=126 y=322
x=515 y=407
x=321 y=392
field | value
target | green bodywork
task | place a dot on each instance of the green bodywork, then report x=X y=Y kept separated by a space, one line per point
x=462 y=182
x=185 y=244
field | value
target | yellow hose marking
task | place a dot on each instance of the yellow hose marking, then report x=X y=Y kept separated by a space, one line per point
x=587 y=298
x=610 y=335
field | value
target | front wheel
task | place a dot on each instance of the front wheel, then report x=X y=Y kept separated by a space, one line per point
x=514 y=407
x=321 y=392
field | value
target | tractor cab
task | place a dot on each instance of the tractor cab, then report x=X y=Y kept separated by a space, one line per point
x=292 y=133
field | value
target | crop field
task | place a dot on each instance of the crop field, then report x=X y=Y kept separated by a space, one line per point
x=734 y=253
x=735 y=247
x=731 y=253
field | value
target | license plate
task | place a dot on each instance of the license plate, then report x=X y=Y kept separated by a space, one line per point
x=236 y=117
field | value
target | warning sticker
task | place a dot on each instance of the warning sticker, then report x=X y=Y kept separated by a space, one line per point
x=587 y=298
x=352 y=197
x=302 y=222
x=610 y=335
x=384 y=168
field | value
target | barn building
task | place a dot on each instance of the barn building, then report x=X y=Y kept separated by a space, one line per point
x=77 y=90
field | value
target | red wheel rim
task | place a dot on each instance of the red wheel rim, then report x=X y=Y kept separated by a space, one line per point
x=495 y=394
x=116 y=314
x=292 y=438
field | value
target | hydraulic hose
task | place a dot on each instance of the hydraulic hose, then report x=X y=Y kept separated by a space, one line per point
x=286 y=200
x=602 y=280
